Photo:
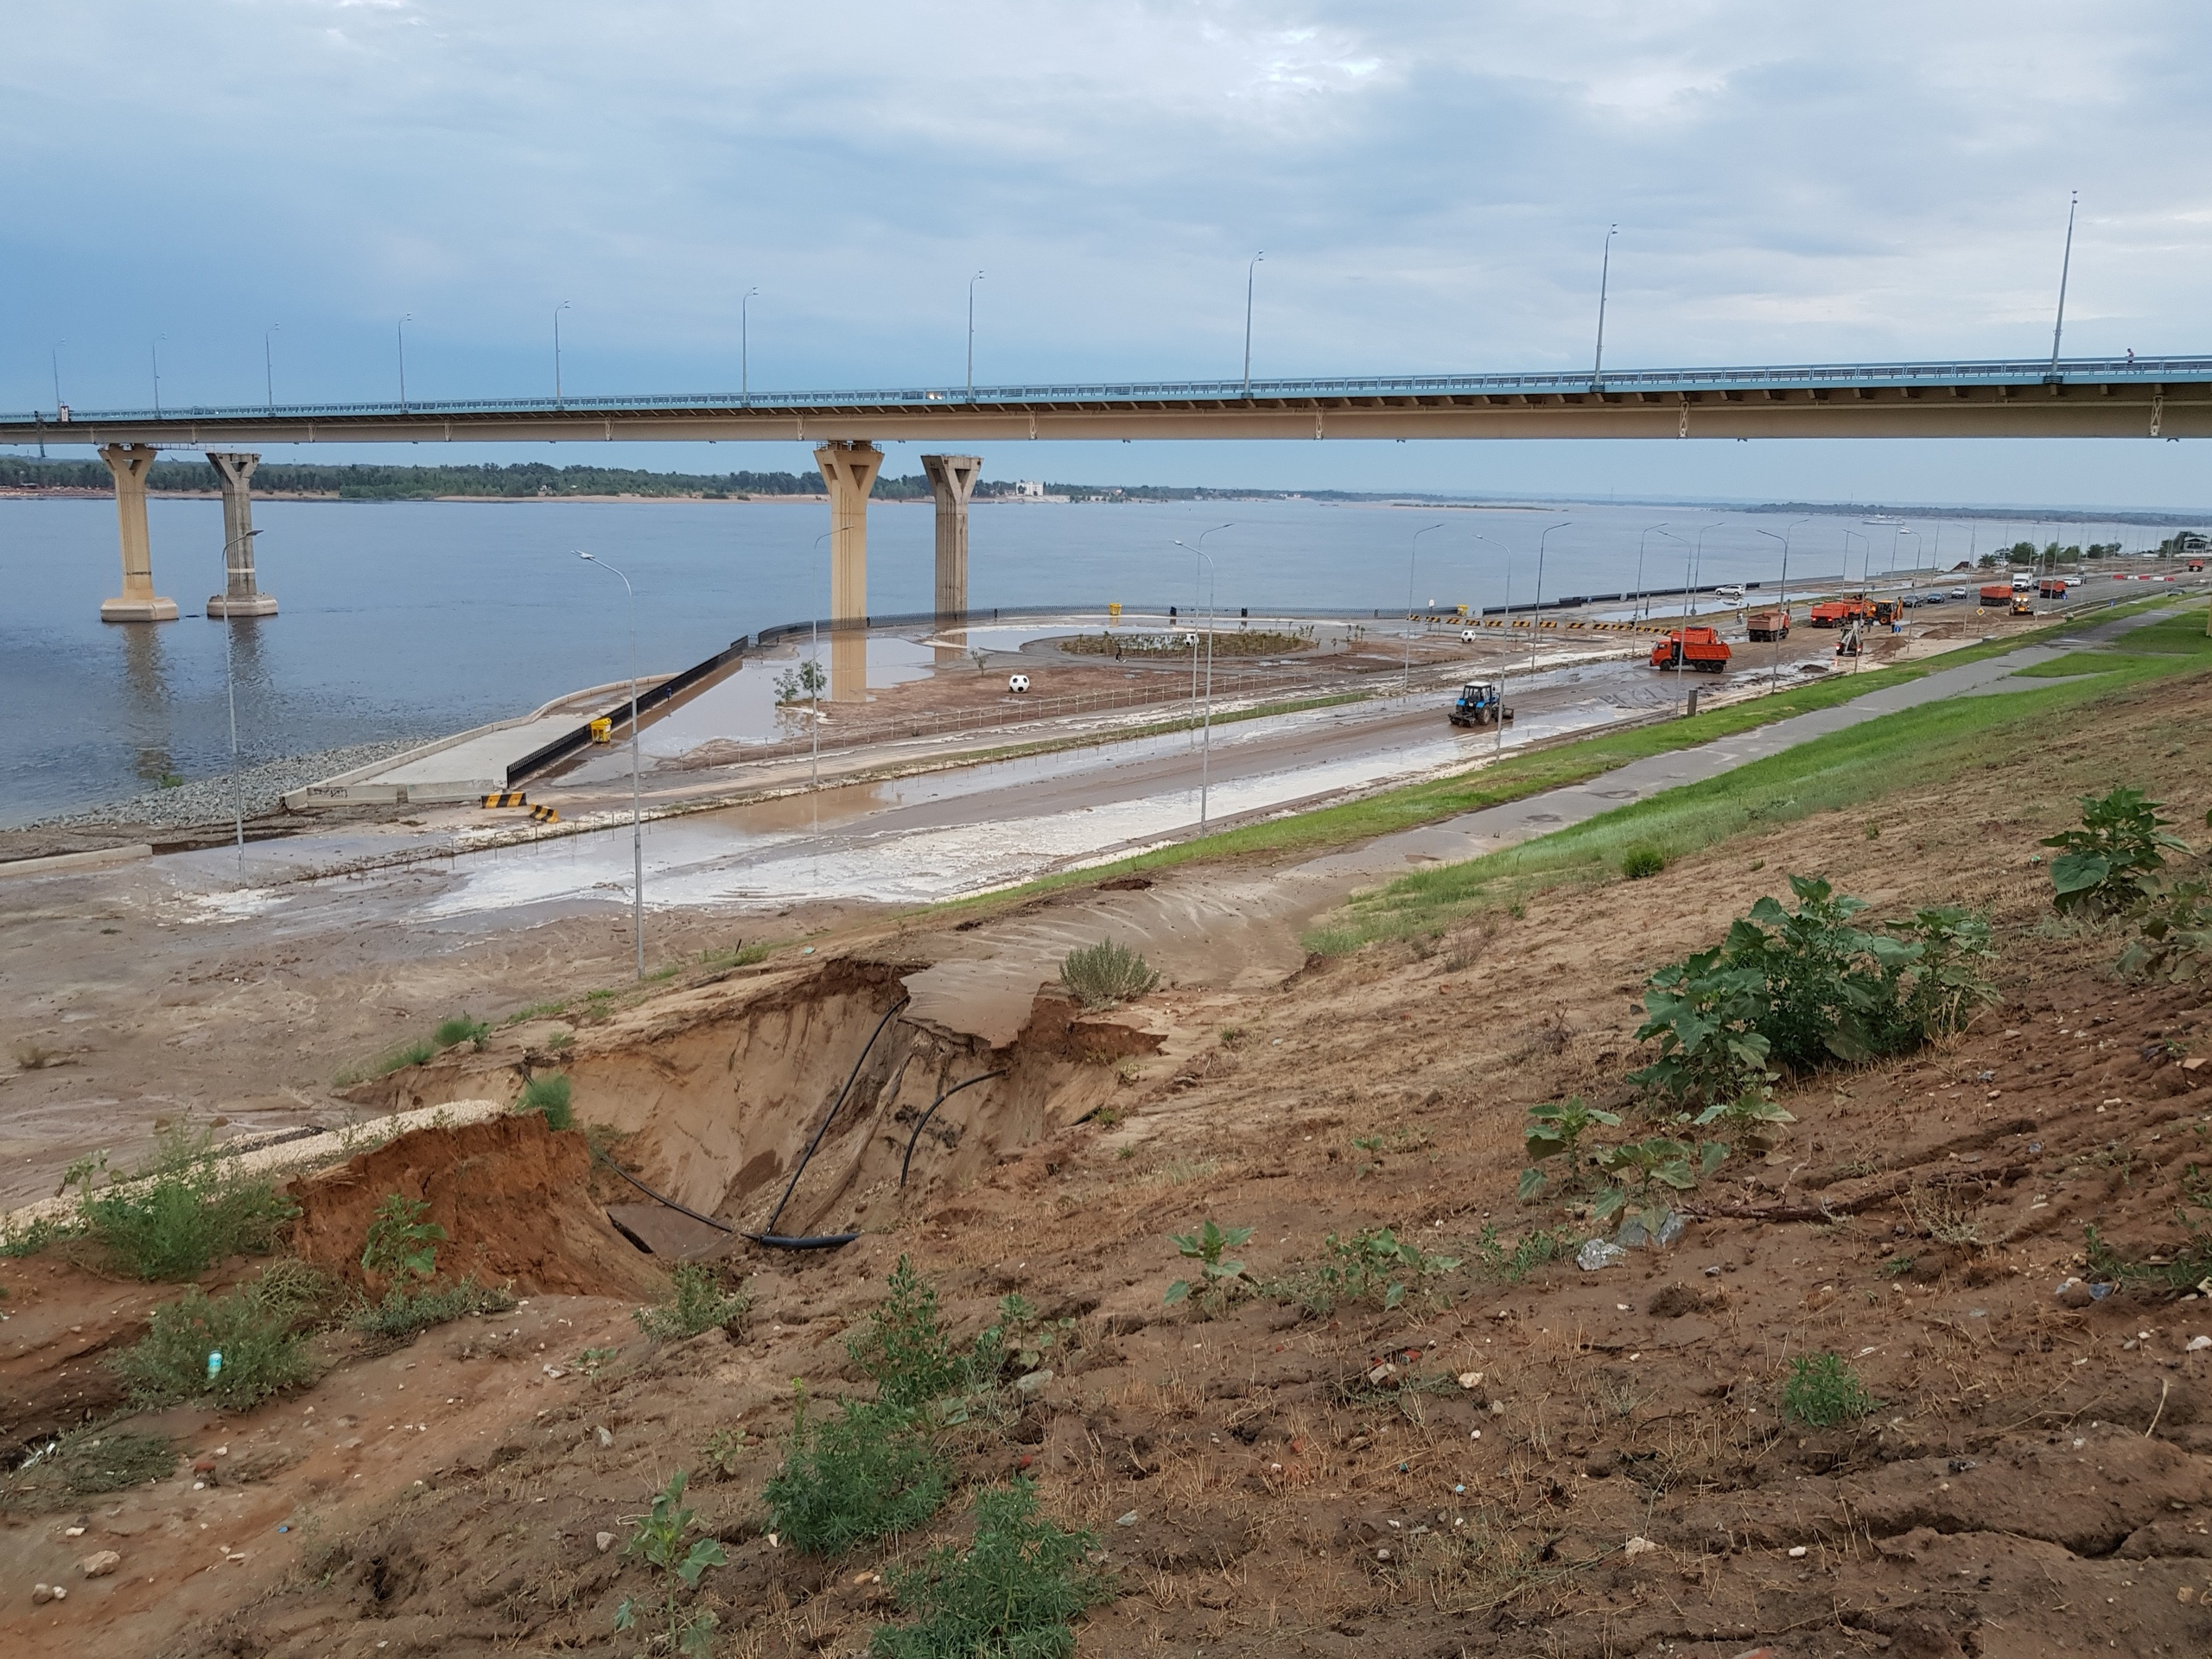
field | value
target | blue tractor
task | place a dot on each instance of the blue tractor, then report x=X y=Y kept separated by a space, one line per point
x=1482 y=702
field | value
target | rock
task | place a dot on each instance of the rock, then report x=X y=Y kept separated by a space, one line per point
x=1636 y=1547
x=1032 y=1383
x=41 y=1594
x=605 y=1435
x=100 y=1564
x=1128 y=1520
x=606 y=1542
x=1597 y=1254
x=2197 y=1345
x=1602 y=1464
x=1634 y=1235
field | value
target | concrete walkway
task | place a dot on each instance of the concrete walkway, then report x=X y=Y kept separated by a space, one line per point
x=1241 y=931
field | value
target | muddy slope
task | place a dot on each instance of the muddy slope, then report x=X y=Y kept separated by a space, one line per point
x=1534 y=1460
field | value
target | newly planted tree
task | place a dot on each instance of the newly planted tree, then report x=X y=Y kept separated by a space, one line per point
x=1555 y=1130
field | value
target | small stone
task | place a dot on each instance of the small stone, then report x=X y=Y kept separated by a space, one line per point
x=1635 y=1547
x=1032 y=1383
x=41 y=1594
x=606 y=1542
x=605 y=1436
x=73 y=1532
x=2197 y=1345
x=1597 y=1252
x=1796 y=1552
x=1470 y=1379
x=100 y=1564
x=1128 y=1520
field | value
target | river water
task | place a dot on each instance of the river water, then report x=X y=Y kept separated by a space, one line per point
x=414 y=619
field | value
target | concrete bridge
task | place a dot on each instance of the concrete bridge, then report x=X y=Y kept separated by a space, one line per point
x=2104 y=397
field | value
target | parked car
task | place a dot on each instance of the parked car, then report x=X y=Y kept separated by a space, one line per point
x=1933 y=596
x=1017 y=682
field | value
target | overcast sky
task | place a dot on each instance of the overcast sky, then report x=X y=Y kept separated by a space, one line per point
x=1793 y=182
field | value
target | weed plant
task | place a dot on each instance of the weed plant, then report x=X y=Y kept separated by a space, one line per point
x=1364 y=1267
x=1511 y=1264
x=869 y=1472
x=184 y=1212
x=694 y=1301
x=400 y=1244
x=462 y=1029
x=549 y=1095
x=1822 y=1391
x=2105 y=868
x=903 y=1350
x=1218 y=1277
x=1099 y=975
x=82 y=1463
x=1555 y=1130
x=1808 y=988
x=1643 y=861
x=2173 y=936
x=231 y=1351
x=684 y=1626
x=407 y=1310
x=1013 y=1593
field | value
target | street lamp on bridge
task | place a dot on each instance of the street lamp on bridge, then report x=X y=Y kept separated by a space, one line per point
x=745 y=346
x=1250 y=271
x=402 y=332
x=268 y=365
x=558 y=310
x=972 y=281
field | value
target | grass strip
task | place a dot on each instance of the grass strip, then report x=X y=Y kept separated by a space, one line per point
x=1848 y=768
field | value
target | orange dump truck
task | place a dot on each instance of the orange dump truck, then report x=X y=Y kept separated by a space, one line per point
x=1699 y=648
x=1996 y=596
x=1768 y=624
x=1840 y=613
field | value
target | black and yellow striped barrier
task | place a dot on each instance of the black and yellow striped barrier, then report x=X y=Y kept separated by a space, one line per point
x=543 y=815
x=507 y=798
x=1555 y=622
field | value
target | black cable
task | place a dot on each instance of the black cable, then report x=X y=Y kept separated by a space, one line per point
x=914 y=1139
x=829 y=1116
x=662 y=1197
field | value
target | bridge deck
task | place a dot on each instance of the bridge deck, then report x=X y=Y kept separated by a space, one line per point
x=2169 y=396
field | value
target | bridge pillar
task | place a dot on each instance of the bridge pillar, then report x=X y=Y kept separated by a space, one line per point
x=127 y=463
x=240 y=597
x=952 y=481
x=848 y=467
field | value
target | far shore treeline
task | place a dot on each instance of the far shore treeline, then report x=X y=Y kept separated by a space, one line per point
x=529 y=479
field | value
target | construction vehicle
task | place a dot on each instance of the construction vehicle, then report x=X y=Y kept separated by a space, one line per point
x=1854 y=639
x=1886 y=611
x=1840 y=612
x=2024 y=604
x=1699 y=648
x=1482 y=702
x=2052 y=588
x=1768 y=624
x=1997 y=596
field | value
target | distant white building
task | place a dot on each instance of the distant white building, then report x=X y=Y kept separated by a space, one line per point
x=1029 y=489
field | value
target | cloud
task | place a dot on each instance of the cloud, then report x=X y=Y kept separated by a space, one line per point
x=1432 y=186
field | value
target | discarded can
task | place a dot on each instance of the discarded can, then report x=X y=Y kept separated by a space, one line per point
x=214 y=1364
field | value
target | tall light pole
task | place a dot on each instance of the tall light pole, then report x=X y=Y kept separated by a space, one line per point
x=1536 y=606
x=1866 y=559
x=402 y=332
x=636 y=824
x=1774 y=670
x=268 y=365
x=1413 y=550
x=1605 y=282
x=1498 y=748
x=1199 y=548
x=1250 y=270
x=814 y=682
x=1682 y=645
x=1206 y=730
x=155 y=351
x=1911 y=581
x=230 y=690
x=1640 y=541
x=745 y=346
x=558 y=310
x=2065 y=265
x=972 y=281
x=55 y=356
